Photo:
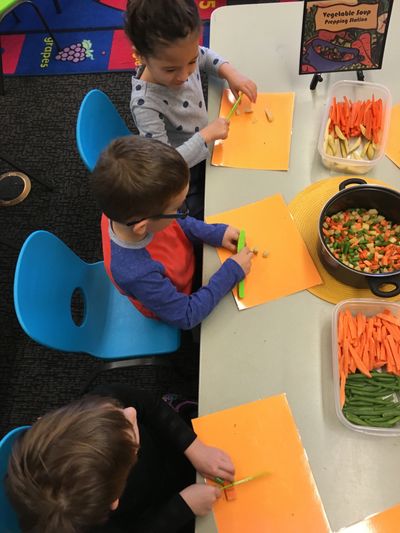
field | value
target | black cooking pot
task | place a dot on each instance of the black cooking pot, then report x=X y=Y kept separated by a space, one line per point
x=387 y=203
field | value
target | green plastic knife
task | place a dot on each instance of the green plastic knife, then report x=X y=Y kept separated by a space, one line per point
x=229 y=116
x=240 y=245
x=244 y=480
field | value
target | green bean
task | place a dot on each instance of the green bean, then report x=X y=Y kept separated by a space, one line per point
x=388 y=423
x=371 y=393
x=367 y=399
x=355 y=419
x=366 y=388
x=380 y=416
x=371 y=411
x=389 y=386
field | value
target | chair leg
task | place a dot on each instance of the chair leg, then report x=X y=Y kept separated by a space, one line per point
x=41 y=180
x=1 y=71
x=57 y=6
x=39 y=14
x=125 y=363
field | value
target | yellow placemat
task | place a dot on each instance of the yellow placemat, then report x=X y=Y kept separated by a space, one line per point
x=393 y=142
x=253 y=141
x=306 y=208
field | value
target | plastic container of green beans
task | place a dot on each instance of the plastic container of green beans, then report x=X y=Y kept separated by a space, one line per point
x=368 y=307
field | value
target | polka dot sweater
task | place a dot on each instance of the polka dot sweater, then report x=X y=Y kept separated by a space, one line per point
x=176 y=115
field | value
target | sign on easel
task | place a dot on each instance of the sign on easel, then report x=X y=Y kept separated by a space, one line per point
x=343 y=36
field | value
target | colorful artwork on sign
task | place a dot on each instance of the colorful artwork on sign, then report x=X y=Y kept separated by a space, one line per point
x=345 y=35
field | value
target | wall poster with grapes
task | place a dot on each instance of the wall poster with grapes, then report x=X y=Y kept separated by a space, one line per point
x=343 y=35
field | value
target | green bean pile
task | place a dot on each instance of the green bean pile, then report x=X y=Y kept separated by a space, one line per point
x=372 y=401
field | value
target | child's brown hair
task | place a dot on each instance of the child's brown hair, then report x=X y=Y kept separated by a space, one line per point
x=70 y=466
x=152 y=24
x=136 y=177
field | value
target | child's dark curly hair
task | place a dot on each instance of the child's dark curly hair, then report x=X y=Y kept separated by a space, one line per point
x=152 y=24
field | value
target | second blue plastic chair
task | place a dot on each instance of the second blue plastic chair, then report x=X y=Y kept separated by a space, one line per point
x=9 y=522
x=98 y=124
x=47 y=275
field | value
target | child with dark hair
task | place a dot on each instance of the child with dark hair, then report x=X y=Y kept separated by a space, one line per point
x=167 y=100
x=118 y=461
x=141 y=185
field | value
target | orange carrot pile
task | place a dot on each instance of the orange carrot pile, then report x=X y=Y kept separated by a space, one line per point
x=357 y=118
x=367 y=343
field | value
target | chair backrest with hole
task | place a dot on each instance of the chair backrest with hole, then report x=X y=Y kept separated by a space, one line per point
x=47 y=277
x=98 y=124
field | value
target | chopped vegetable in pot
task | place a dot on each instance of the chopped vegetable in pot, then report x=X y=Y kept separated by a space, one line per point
x=363 y=240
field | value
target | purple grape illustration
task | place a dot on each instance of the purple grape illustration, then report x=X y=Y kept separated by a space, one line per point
x=76 y=52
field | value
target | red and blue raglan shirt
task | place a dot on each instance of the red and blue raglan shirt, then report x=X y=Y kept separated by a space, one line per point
x=156 y=273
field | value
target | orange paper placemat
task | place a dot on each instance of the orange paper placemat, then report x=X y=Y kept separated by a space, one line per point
x=393 y=142
x=269 y=227
x=253 y=141
x=262 y=436
x=386 y=522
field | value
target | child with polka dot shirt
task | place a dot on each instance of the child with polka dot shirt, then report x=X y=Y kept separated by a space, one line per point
x=167 y=101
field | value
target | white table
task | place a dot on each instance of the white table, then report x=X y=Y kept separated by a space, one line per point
x=249 y=354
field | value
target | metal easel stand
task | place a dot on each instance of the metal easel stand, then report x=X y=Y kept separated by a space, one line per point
x=317 y=78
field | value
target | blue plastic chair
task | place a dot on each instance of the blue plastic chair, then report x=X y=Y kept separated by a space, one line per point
x=9 y=522
x=46 y=277
x=98 y=124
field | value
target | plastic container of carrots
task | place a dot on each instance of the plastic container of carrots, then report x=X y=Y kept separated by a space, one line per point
x=368 y=307
x=362 y=111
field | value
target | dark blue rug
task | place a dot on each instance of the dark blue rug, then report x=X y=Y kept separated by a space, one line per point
x=75 y=15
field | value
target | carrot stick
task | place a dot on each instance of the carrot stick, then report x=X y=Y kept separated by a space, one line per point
x=334 y=110
x=341 y=328
x=378 y=329
x=360 y=323
x=358 y=361
x=352 y=326
x=368 y=125
x=389 y=318
x=394 y=331
x=391 y=366
x=346 y=355
x=366 y=356
x=383 y=352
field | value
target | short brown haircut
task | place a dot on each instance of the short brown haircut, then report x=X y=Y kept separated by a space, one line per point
x=152 y=24
x=70 y=466
x=137 y=177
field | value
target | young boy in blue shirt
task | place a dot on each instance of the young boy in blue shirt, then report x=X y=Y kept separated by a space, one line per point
x=141 y=185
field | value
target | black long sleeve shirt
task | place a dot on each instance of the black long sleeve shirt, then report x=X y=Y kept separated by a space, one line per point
x=151 y=502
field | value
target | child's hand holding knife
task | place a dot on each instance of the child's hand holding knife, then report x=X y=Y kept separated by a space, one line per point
x=243 y=258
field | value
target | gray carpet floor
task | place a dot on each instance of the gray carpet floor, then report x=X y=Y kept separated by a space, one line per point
x=37 y=131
